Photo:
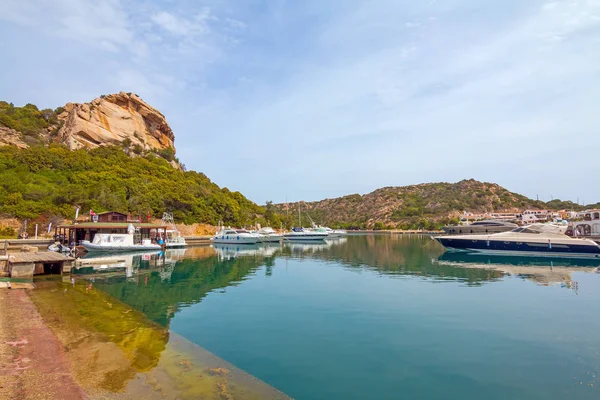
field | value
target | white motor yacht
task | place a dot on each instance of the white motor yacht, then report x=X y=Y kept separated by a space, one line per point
x=236 y=236
x=269 y=235
x=532 y=240
x=302 y=234
x=331 y=233
x=111 y=242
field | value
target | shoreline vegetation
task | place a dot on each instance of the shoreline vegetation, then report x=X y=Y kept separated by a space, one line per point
x=44 y=185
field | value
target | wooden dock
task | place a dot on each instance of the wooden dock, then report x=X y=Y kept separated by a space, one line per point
x=27 y=264
x=16 y=244
x=197 y=240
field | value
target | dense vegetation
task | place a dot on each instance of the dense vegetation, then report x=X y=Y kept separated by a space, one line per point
x=425 y=206
x=46 y=182
x=29 y=120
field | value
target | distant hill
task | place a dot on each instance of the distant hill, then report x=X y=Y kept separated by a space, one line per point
x=428 y=205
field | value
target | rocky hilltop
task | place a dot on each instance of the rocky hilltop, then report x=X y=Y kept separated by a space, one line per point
x=114 y=119
x=424 y=205
x=122 y=119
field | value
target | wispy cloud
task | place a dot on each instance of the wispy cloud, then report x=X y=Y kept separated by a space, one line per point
x=340 y=97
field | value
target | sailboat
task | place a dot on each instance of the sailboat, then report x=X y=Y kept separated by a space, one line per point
x=302 y=234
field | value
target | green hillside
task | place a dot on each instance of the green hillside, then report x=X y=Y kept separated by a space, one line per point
x=46 y=182
x=428 y=205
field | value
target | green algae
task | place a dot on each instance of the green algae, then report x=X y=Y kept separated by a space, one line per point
x=116 y=352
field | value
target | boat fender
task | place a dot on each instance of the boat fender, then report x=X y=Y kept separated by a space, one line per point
x=238 y=238
x=488 y=242
x=549 y=244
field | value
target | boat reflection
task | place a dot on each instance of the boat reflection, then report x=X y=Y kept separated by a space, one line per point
x=229 y=251
x=478 y=258
x=541 y=270
x=130 y=263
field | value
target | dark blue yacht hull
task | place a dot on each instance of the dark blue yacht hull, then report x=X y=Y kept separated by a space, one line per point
x=500 y=247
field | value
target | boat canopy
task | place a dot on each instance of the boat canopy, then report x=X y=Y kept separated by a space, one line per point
x=489 y=222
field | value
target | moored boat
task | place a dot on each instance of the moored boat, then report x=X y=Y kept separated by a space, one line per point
x=331 y=233
x=236 y=236
x=174 y=239
x=269 y=235
x=112 y=242
x=302 y=234
x=485 y=226
x=532 y=240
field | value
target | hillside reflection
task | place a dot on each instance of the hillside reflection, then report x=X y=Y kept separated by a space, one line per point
x=158 y=285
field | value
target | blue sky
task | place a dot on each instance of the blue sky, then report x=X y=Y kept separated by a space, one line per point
x=314 y=99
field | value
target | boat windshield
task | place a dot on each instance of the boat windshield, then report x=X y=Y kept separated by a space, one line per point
x=541 y=228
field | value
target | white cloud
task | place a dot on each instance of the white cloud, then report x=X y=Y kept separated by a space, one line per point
x=364 y=89
x=181 y=26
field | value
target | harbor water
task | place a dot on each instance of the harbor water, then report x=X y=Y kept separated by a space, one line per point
x=370 y=317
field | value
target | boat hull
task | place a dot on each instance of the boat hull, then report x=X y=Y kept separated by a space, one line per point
x=537 y=249
x=271 y=239
x=235 y=240
x=112 y=248
x=178 y=245
x=305 y=238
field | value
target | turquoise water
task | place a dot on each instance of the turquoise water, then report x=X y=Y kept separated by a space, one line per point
x=382 y=317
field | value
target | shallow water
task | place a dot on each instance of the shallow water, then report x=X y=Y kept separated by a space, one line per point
x=382 y=317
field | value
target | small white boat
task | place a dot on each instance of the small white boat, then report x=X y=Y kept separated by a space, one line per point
x=269 y=235
x=236 y=236
x=301 y=234
x=118 y=242
x=59 y=248
x=331 y=233
x=174 y=239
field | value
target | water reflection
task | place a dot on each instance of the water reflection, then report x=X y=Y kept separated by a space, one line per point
x=116 y=352
x=229 y=251
x=541 y=270
x=159 y=286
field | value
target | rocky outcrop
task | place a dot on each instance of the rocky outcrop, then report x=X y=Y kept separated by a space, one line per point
x=10 y=137
x=114 y=119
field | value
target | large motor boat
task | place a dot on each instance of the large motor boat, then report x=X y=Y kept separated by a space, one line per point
x=532 y=240
x=269 y=235
x=236 y=236
x=302 y=234
x=112 y=242
x=485 y=226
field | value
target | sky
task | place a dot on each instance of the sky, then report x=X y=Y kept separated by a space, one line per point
x=305 y=100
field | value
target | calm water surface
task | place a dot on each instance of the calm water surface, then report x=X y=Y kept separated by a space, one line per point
x=382 y=317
